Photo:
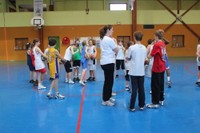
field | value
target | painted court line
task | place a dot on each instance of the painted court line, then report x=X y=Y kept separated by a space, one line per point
x=81 y=110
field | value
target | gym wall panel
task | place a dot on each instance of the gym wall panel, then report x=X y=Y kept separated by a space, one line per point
x=190 y=40
x=93 y=18
x=2 y=45
x=165 y=17
x=61 y=31
x=1 y=20
x=18 y=32
x=23 y=19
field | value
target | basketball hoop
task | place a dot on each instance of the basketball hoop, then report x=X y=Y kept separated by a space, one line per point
x=37 y=22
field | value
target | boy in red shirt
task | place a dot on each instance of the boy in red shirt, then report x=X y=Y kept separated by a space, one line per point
x=158 y=70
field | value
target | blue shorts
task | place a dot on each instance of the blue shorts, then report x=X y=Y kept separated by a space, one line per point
x=166 y=62
x=84 y=64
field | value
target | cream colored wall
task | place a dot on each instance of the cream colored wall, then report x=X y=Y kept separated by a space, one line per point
x=2 y=20
x=165 y=17
x=98 y=18
x=172 y=4
x=69 y=18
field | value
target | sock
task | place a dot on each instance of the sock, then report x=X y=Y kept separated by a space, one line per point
x=50 y=91
x=168 y=79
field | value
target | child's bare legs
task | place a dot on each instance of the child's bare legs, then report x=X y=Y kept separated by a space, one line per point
x=93 y=75
x=31 y=75
x=54 y=84
x=83 y=77
x=34 y=76
x=168 y=78
x=40 y=80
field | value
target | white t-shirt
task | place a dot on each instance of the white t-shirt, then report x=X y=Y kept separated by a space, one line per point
x=120 y=54
x=137 y=53
x=107 y=45
x=68 y=54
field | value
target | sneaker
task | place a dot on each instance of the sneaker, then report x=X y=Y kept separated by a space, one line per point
x=71 y=82
x=117 y=76
x=59 y=96
x=114 y=93
x=49 y=95
x=142 y=108
x=35 y=83
x=169 y=84
x=161 y=103
x=82 y=83
x=108 y=103
x=152 y=106
x=127 y=88
x=93 y=79
x=89 y=79
x=40 y=86
x=74 y=79
x=112 y=99
x=132 y=110
x=31 y=81
x=77 y=79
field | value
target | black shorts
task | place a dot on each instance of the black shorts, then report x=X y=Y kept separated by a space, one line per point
x=199 y=68
x=76 y=63
x=127 y=76
x=68 y=66
x=120 y=63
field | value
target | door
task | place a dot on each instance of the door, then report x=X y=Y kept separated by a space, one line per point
x=57 y=38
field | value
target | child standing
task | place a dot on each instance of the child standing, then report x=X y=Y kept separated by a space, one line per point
x=84 y=62
x=53 y=56
x=137 y=55
x=29 y=53
x=158 y=71
x=76 y=59
x=92 y=60
x=39 y=64
x=68 y=67
x=127 y=66
x=120 y=58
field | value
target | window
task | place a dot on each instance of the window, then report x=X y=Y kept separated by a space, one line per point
x=177 y=41
x=20 y=43
x=118 y=7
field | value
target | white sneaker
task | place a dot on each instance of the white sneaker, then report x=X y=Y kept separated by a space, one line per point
x=81 y=82
x=71 y=82
x=108 y=103
x=161 y=103
x=40 y=86
x=114 y=93
x=49 y=95
x=59 y=96
x=112 y=100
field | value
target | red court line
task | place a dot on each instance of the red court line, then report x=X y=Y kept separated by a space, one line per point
x=81 y=110
x=187 y=68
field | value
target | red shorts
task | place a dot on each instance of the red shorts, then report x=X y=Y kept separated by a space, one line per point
x=41 y=70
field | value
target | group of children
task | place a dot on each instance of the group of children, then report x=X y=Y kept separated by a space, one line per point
x=80 y=54
x=137 y=61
